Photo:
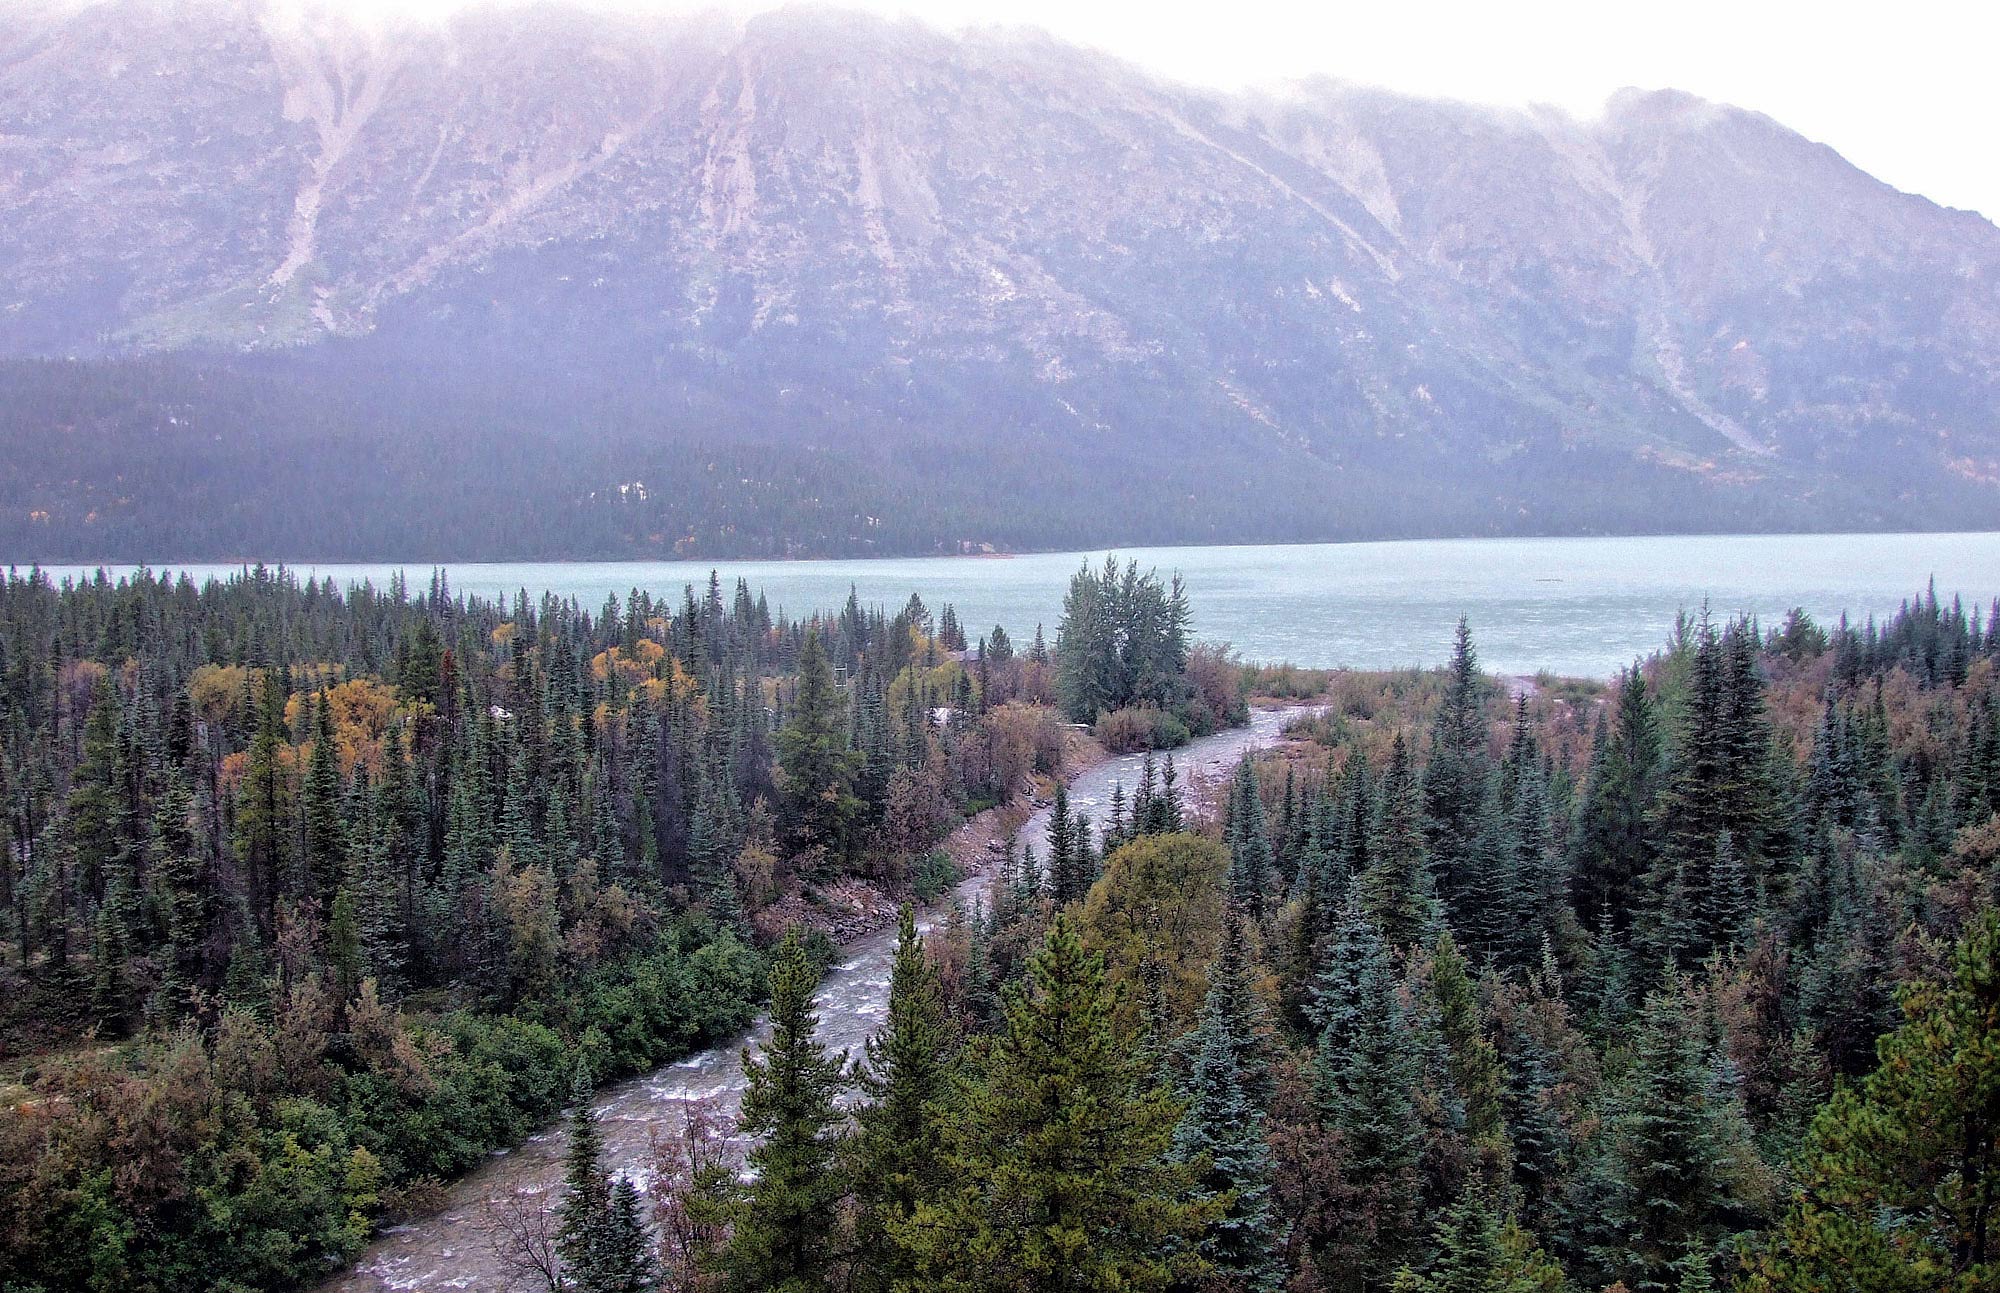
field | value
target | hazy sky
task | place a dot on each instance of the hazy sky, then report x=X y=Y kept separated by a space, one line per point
x=1906 y=89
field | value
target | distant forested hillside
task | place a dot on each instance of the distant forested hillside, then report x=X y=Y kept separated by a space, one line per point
x=182 y=458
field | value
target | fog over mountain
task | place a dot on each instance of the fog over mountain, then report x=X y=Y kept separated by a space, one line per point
x=566 y=283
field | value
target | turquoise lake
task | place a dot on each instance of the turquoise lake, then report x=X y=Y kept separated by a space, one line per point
x=1581 y=606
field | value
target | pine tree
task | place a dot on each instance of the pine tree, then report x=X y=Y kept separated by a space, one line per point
x=786 y=1219
x=907 y=1082
x=1899 y=1191
x=1065 y=1180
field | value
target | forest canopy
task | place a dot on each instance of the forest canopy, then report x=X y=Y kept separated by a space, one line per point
x=313 y=897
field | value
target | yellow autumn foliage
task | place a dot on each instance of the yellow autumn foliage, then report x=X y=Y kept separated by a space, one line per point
x=634 y=666
x=362 y=710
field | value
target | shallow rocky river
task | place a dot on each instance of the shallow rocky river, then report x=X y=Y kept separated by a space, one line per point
x=451 y=1250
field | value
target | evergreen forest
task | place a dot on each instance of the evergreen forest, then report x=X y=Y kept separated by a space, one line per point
x=315 y=897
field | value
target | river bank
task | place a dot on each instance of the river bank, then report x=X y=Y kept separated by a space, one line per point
x=451 y=1248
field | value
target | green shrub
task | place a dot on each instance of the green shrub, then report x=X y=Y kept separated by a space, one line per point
x=935 y=873
x=1125 y=730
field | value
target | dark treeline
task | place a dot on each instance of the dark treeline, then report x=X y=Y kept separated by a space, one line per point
x=313 y=897
x=1684 y=983
x=598 y=453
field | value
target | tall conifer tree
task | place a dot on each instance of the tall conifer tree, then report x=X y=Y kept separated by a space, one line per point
x=786 y=1221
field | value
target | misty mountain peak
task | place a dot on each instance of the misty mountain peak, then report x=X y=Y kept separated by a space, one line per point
x=713 y=212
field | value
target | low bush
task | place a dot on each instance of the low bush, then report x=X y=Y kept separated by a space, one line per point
x=1125 y=731
x=934 y=873
x=1287 y=681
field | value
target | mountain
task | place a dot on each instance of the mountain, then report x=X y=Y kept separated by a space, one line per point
x=554 y=282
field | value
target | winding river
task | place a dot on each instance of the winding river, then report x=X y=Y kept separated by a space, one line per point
x=450 y=1249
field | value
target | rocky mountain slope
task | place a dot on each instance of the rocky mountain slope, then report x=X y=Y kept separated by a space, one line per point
x=551 y=281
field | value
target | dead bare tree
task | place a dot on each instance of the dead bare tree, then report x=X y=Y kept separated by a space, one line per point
x=693 y=1171
x=520 y=1227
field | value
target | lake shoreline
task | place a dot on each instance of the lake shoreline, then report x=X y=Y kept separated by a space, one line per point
x=1571 y=607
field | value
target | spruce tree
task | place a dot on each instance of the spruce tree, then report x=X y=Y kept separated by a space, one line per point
x=1540 y=1143
x=1478 y=1252
x=584 y=1224
x=1538 y=907
x=378 y=907
x=1065 y=868
x=1679 y=1165
x=176 y=873
x=1221 y=1134
x=1454 y=780
x=786 y=1221
x=1474 y=1061
x=1366 y=1070
x=906 y=1079
x=1718 y=784
x=626 y=1263
x=320 y=809
x=711 y=859
x=1396 y=890
x=817 y=801
x=1165 y=817
x=1143 y=797
x=1615 y=836
x=1251 y=862
x=1065 y=1178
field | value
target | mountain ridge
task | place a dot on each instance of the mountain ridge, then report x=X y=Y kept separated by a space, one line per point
x=1008 y=265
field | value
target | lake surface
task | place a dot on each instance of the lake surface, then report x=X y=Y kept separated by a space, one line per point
x=1572 y=606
